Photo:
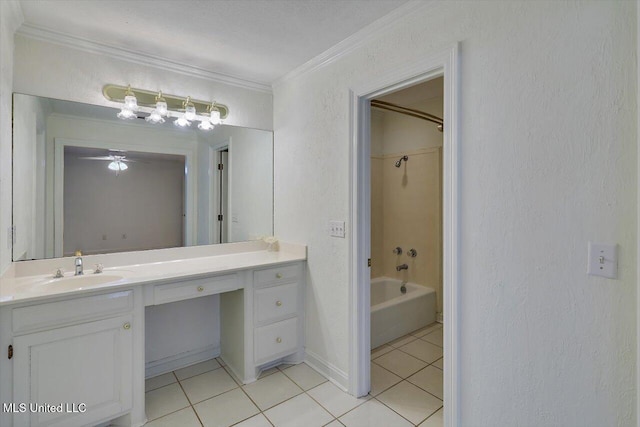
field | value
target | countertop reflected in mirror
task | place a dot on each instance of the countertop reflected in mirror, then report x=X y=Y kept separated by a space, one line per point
x=84 y=180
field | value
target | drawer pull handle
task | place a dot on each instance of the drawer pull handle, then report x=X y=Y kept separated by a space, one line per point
x=278 y=340
x=278 y=303
x=279 y=275
x=127 y=326
x=200 y=289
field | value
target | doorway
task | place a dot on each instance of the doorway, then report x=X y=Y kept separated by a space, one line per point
x=442 y=64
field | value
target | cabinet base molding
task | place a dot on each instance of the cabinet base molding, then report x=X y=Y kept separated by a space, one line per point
x=182 y=360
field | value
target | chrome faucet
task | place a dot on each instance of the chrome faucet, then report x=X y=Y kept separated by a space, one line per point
x=402 y=267
x=79 y=268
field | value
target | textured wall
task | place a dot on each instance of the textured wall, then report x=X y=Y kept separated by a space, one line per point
x=548 y=132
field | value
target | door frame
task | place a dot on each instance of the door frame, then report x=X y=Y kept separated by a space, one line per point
x=442 y=63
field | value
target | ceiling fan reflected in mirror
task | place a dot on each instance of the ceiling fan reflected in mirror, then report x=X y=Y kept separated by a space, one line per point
x=117 y=160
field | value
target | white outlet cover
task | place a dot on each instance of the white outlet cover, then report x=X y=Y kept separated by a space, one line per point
x=603 y=260
x=336 y=229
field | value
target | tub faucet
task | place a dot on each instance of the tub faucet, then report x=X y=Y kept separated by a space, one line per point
x=402 y=267
x=79 y=268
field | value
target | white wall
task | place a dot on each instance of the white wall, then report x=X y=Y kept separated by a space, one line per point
x=141 y=208
x=10 y=19
x=54 y=71
x=548 y=162
x=250 y=180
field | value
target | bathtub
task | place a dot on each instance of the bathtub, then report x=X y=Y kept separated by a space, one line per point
x=394 y=314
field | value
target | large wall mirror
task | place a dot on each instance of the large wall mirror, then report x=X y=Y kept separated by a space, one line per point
x=85 y=180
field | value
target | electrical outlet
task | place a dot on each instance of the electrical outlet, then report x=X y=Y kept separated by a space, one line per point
x=336 y=229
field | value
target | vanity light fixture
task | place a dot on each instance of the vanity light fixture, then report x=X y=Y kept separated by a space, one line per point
x=189 y=114
x=157 y=115
x=211 y=118
x=160 y=106
x=130 y=107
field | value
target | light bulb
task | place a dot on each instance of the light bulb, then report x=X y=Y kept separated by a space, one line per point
x=161 y=108
x=205 y=124
x=182 y=121
x=126 y=113
x=215 y=117
x=123 y=166
x=131 y=103
x=155 y=117
x=113 y=166
x=190 y=112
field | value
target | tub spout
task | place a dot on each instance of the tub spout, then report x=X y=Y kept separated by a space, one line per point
x=402 y=267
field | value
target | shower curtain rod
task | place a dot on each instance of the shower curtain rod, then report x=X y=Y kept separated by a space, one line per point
x=408 y=111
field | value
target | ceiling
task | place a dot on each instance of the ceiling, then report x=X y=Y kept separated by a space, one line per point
x=255 y=40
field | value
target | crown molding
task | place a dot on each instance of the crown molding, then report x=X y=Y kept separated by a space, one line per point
x=47 y=35
x=355 y=40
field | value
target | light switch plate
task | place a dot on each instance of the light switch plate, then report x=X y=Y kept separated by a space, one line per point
x=336 y=228
x=603 y=260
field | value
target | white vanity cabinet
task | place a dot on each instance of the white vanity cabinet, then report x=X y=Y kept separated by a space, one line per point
x=271 y=328
x=75 y=355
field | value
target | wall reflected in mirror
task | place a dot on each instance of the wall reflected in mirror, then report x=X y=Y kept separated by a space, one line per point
x=85 y=180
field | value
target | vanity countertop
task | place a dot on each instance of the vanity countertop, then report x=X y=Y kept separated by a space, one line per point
x=28 y=281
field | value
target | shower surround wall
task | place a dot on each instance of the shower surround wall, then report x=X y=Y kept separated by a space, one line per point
x=406 y=202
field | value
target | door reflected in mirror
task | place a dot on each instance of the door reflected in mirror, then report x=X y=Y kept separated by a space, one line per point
x=85 y=180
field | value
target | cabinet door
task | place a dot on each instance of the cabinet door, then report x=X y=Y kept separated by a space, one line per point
x=90 y=363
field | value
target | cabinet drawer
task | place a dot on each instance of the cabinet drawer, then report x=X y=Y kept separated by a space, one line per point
x=277 y=275
x=54 y=314
x=275 y=340
x=194 y=288
x=275 y=302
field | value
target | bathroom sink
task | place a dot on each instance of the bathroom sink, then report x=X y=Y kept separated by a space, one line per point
x=70 y=283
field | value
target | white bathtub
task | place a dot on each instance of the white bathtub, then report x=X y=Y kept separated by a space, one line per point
x=394 y=314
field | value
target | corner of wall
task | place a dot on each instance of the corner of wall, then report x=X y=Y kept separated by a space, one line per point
x=11 y=18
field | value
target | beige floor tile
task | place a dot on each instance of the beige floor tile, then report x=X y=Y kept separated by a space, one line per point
x=439 y=363
x=423 y=350
x=373 y=414
x=305 y=376
x=400 y=363
x=256 y=421
x=402 y=341
x=220 y=361
x=429 y=379
x=424 y=331
x=164 y=400
x=411 y=402
x=381 y=379
x=434 y=337
x=297 y=412
x=207 y=385
x=335 y=400
x=197 y=369
x=232 y=375
x=435 y=420
x=226 y=409
x=183 y=418
x=159 y=381
x=271 y=390
x=379 y=351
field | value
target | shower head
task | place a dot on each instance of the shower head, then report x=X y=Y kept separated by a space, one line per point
x=399 y=162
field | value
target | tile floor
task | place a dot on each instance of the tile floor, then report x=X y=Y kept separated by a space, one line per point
x=406 y=390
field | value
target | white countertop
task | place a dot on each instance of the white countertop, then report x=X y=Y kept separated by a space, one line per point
x=33 y=280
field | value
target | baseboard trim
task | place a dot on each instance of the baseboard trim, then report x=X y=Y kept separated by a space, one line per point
x=171 y=363
x=328 y=370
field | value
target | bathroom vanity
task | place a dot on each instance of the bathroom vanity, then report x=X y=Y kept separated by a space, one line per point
x=77 y=343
